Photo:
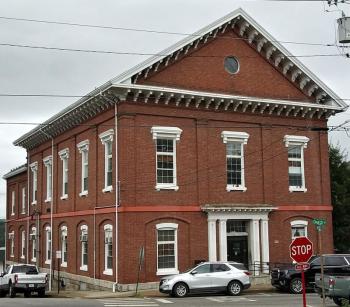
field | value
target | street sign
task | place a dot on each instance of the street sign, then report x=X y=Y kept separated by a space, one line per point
x=302 y=266
x=319 y=223
x=58 y=254
x=301 y=249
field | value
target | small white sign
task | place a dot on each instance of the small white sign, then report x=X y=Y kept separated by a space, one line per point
x=58 y=254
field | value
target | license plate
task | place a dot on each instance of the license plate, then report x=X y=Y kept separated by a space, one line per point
x=31 y=285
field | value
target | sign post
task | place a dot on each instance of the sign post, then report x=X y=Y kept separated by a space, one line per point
x=141 y=259
x=301 y=250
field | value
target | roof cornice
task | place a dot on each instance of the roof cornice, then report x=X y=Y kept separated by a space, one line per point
x=16 y=171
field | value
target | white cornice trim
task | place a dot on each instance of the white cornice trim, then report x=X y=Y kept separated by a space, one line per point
x=106 y=136
x=234 y=136
x=296 y=139
x=64 y=153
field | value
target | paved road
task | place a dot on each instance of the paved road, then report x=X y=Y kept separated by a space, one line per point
x=259 y=299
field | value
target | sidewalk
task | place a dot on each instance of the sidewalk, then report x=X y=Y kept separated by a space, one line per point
x=142 y=293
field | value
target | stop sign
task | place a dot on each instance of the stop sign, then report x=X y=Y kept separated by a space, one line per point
x=301 y=249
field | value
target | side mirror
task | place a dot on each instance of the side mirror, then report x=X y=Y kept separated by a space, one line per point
x=2 y=274
x=194 y=272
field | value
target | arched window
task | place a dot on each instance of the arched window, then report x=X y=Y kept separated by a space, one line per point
x=64 y=246
x=23 y=244
x=84 y=247
x=299 y=228
x=12 y=243
x=108 y=243
x=48 y=245
x=32 y=238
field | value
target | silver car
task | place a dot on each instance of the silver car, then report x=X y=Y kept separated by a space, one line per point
x=230 y=277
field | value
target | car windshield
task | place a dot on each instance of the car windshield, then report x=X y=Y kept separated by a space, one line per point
x=27 y=269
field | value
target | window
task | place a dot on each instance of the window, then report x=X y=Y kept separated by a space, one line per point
x=64 y=246
x=231 y=65
x=299 y=228
x=12 y=243
x=220 y=267
x=64 y=155
x=334 y=261
x=296 y=145
x=108 y=236
x=165 y=138
x=48 y=245
x=32 y=237
x=23 y=200
x=84 y=247
x=48 y=165
x=83 y=148
x=107 y=140
x=23 y=244
x=167 y=249
x=203 y=269
x=235 y=142
x=34 y=168
x=13 y=202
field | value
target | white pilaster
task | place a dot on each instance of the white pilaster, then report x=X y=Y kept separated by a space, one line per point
x=265 y=257
x=223 y=240
x=212 y=239
x=255 y=245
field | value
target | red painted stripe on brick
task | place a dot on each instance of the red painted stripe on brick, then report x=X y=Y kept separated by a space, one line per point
x=160 y=209
x=304 y=208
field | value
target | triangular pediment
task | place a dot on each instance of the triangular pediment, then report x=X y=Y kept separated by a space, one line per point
x=267 y=69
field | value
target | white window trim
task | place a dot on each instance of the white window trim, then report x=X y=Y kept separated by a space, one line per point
x=23 y=200
x=47 y=245
x=63 y=232
x=33 y=233
x=83 y=228
x=83 y=148
x=12 y=243
x=107 y=227
x=23 y=244
x=239 y=137
x=106 y=137
x=175 y=270
x=13 y=202
x=173 y=133
x=298 y=140
x=48 y=164
x=34 y=169
x=64 y=155
x=300 y=223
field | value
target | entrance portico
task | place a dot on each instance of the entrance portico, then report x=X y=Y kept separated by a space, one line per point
x=246 y=237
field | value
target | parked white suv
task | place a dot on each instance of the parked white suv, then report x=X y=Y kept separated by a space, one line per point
x=229 y=277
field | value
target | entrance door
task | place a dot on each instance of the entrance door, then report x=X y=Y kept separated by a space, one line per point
x=237 y=249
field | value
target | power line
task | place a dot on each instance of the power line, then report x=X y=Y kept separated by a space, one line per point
x=151 y=54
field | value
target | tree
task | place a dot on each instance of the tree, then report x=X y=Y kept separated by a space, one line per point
x=340 y=188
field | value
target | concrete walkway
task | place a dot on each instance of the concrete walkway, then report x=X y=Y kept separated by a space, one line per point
x=142 y=293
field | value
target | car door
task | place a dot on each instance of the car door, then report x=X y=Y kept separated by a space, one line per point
x=200 y=278
x=221 y=275
x=315 y=267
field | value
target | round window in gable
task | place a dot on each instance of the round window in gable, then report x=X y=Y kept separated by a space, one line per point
x=231 y=65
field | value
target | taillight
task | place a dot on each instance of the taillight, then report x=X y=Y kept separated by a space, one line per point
x=16 y=279
x=331 y=282
x=46 y=279
x=247 y=273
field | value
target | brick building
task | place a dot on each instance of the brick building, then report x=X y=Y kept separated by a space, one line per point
x=215 y=149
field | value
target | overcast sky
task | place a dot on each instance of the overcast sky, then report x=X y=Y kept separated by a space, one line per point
x=35 y=71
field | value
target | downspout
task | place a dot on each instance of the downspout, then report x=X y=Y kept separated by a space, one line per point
x=28 y=205
x=116 y=194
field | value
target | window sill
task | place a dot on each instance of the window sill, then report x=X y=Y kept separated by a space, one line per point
x=64 y=264
x=47 y=261
x=108 y=272
x=22 y=257
x=107 y=189
x=12 y=214
x=83 y=268
x=47 y=200
x=230 y=188
x=34 y=202
x=167 y=272
x=23 y=212
x=297 y=189
x=84 y=193
x=63 y=197
x=12 y=256
x=167 y=187
x=33 y=260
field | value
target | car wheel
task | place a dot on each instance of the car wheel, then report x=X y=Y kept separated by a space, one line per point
x=41 y=293
x=337 y=301
x=296 y=286
x=180 y=290
x=12 y=291
x=2 y=293
x=234 y=288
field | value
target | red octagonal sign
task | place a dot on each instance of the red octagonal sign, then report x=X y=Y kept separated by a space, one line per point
x=301 y=249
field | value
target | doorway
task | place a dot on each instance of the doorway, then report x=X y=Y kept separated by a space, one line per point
x=237 y=249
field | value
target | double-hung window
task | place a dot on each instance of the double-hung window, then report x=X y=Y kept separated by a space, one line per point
x=34 y=169
x=108 y=236
x=64 y=155
x=165 y=139
x=48 y=245
x=12 y=243
x=296 y=175
x=83 y=148
x=107 y=141
x=23 y=200
x=33 y=239
x=64 y=246
x=23 y=244
x=84 y=247
x=235 y=172
x=48 y=165
x=299 y=228
x=167 y=248
x=13 y=202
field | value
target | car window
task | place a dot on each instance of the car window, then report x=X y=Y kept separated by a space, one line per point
x=220 y=267
x=316 y=261
x=348 y=259
x=24 y=269
x=205 y=268
x=335 y=261
x=239 y=266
